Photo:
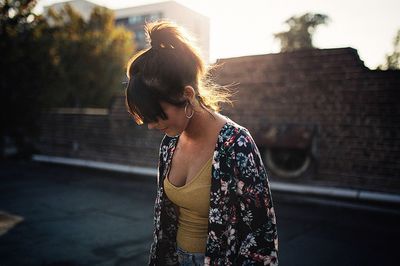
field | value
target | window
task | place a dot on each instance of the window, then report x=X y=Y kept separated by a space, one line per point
x=139 y=36
x=135 y=19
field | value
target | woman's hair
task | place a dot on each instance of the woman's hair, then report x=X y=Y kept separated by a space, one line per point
x=161 y=72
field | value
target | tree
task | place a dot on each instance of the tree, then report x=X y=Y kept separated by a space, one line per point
x=301 y=30
x=393 y=60
x=66 y=62
x=89 y=57
x=23 y=65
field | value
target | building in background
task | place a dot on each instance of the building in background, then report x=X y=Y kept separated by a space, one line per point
x=135 y=17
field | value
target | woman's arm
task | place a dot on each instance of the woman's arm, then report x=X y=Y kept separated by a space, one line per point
x=257 y=232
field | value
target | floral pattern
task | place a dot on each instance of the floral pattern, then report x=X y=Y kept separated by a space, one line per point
x=242 y=224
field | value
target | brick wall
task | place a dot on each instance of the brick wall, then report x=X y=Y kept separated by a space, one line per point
x=111 y=137
x=352 y=113
x=323 y=104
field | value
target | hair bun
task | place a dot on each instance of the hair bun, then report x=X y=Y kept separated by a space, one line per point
x=164 y=34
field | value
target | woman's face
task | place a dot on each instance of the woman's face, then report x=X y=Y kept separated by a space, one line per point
x=176 y=122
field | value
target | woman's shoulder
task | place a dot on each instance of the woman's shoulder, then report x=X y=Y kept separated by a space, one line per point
x=232 y=129
x=234 y=135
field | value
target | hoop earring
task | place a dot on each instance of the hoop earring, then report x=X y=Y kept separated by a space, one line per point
x=188 y=116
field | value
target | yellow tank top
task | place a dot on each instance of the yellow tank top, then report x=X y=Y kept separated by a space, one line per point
x=193 y=200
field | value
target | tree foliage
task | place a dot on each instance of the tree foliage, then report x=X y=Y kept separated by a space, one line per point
x=89 y=57
x=301 y=30
x=63 y=61
x=393 y=59
x=23 y=65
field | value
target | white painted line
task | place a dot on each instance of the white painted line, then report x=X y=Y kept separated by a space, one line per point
x=277 y=186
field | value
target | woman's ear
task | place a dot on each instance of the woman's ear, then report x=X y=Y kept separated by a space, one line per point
x=189 y=93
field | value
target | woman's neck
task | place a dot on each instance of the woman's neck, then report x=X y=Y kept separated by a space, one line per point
x=202 y=125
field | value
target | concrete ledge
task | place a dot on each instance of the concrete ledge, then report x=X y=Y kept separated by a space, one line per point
x=80 y=111
x=336 y=192
x=97 y=165
x=276 y=186
x=314 y=190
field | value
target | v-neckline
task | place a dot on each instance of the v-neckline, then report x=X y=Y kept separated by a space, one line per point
x=227 y=122
x=193 y=179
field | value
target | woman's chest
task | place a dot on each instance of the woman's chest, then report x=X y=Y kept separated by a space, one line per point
x=187 y=162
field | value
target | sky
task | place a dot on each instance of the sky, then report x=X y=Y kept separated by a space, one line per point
x=239 y=28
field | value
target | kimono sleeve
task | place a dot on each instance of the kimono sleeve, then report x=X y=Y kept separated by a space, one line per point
x=157 y=206
x=162 y=157
x=257 y=231
x=161 y=251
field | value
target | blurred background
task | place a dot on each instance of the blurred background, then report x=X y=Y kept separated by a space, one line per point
x=317 y=83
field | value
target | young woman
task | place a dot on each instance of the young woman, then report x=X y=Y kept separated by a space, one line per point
x=213 y=204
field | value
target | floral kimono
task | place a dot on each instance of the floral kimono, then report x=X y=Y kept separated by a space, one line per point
x=241 y=225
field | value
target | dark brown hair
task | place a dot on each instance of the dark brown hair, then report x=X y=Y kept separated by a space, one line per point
x=161 y=72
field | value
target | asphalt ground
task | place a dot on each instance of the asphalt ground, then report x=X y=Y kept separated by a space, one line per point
x=63 y=216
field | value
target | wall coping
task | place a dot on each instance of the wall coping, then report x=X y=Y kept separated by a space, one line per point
x=84 y=111
x=342 y=193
